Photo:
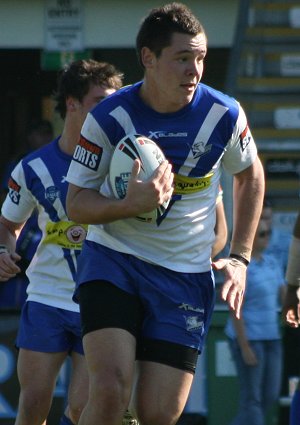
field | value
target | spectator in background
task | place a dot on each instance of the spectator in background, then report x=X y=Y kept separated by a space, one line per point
x=279 y=239
x=50 y=327
x=13 y=292
x=291 y=307
x=255 y=339
x=278 y=246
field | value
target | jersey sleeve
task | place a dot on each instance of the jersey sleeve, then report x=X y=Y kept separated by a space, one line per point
x=19 y=202
x=241 y=150
x=90 y=162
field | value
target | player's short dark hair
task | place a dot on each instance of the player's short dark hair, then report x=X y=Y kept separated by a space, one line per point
x=75 y=80
x=158 y=27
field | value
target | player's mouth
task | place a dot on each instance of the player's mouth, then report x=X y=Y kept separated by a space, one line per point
x=189 y=87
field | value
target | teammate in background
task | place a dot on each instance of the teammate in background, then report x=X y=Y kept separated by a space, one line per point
x=279 y=240
x=13 y=292
x=291 y=307
x=147 y=289
x=50 y=327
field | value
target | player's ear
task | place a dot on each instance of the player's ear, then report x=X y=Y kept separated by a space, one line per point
x=147 y=57
x=71 y=103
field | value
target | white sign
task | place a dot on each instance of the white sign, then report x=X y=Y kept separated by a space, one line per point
x=294 y=16
x=290 y=65
x=63 y=25
x=287 y=118
x=225 y=365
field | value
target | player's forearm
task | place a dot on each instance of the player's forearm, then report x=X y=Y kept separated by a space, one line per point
x=8 y=234
x=248 y=200
x=87 y=206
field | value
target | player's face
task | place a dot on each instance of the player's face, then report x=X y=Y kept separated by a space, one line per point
x=178 y=70
x=94 y=96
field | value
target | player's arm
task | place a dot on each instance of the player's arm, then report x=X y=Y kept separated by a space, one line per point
x=8 y=256
x=248 y=193
x=221 y=230
x=291 y=304
x=89 y=206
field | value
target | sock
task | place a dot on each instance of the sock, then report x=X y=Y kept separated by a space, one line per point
x=295 y=409
x=64 y=420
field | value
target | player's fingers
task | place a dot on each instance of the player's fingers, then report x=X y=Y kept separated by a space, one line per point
x=220 y=264
x=15 y=256
x=291 y=319
x=225 y=290
x=238 y=303
x=163 y=170
x=136 y=168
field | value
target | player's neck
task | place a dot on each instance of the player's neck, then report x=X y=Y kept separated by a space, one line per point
x=69 y=137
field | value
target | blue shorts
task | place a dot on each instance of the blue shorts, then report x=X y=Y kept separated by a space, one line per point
x=49 y=329
x=177 y=307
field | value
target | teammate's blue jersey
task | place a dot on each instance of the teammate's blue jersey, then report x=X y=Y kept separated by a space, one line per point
x=210 y=131
x=39 y=181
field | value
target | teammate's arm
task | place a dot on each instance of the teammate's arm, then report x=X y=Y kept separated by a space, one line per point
x=8 y=256
x=221 y=230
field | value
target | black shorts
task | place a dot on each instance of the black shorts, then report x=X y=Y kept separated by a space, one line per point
x=104 y=305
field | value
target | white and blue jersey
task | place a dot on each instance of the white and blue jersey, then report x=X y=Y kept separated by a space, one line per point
x=39 y=181
x=209 y=132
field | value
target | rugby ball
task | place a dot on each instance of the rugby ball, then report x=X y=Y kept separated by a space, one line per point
x=129 y=148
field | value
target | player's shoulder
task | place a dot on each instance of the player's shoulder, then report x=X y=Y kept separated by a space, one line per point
x=121 y=97
x=217 y=96
x=45 y=152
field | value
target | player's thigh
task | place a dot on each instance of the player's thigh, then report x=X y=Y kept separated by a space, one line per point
x=161 y=391
x=37 y=371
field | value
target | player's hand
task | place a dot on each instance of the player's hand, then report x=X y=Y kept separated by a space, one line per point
x=291 y=306
x=234 y=284
x=148 y=195
x=8 y=266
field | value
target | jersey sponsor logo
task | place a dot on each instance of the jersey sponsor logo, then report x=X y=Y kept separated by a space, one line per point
x=159 y=134
x=87 y=153
x=52 y=193
x=67 y=234
x=185 y=185
x=14 y=191
x=245 y=138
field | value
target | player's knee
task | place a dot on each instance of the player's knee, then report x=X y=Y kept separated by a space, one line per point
x=148 y=417
x=74 y=411
x=34 y=404
x=111 y=395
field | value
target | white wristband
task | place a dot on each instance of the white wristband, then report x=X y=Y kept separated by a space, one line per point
x=293 y=268
x=4 y=249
